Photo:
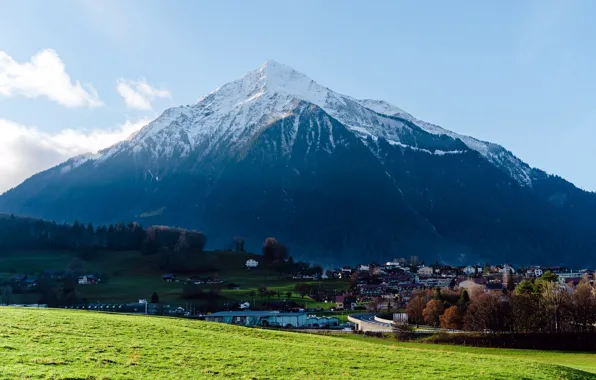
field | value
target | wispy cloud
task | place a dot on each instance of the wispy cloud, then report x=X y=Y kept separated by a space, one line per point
x=44 y=75
x=139 y=94
x=26 y=150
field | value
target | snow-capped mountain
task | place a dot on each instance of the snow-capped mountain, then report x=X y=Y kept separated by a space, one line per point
x=232 y=114
x=338 y=178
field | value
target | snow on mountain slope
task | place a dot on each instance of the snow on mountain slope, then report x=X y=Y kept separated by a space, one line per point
x=494 y=153
x=231 y=115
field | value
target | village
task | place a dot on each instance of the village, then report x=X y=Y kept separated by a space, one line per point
x=370 y=288
x=391 y=285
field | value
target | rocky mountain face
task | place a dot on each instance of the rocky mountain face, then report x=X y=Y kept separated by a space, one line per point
x=338 y=179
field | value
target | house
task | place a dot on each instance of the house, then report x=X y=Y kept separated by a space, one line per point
x=538 y=272
x=394 y=263
x=425 y=271
x=259 y=318
x=346 y=270
x=404 y=292
x=371 y=290
x=534 y=272
x=507 y=269
x=169 y=277
x=436 y=282
x=395 y=281
x=88 y=279
x=363 y=268
x=18 y=277
x=448 y=272
x=195 y=280
x=570 y=275
x=30 y=282
x=557 y=269
x=494 y=288
x=336 y=273
x=344 y=302
x=250 y=263
x=469 y=270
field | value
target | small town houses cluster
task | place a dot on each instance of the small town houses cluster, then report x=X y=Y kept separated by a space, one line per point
x=31 y=281
x=393 y=284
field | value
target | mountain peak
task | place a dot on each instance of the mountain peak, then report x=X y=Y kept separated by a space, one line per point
x=274 y=68
x=271 y=64
x=229 y=116
x=273 y=76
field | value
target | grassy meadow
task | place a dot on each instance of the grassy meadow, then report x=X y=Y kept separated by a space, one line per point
x=60 y=344
x=133 y=276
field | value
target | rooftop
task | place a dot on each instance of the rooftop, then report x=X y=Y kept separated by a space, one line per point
x=250 y=313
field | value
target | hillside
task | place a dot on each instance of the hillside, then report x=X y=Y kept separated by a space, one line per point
x=339 y=180
x=67 y=344
x=129 y=276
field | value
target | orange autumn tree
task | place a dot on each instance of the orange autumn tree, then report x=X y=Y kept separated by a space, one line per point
x=433 y=310
x=451 y=318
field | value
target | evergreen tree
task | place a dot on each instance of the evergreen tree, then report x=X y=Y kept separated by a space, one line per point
x=464 y=298
x=154 y=298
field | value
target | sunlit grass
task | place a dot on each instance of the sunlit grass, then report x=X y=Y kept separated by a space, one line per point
x=36 y=343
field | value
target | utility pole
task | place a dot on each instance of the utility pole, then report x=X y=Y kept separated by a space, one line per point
x=144 y=301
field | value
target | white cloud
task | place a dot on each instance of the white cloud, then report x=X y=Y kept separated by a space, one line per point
x=25 y=151
x=45 y=76
x=139 y=94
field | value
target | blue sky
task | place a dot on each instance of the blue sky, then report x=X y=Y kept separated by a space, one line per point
x=518 y=73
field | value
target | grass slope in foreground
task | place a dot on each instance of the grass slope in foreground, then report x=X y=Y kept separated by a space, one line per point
x=78 y=344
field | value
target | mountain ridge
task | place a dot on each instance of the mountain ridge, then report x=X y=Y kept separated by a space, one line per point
x=271 y=78
x=277 y=135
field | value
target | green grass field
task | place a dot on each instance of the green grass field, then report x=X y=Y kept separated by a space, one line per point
x=39 y=343
x=134 y=276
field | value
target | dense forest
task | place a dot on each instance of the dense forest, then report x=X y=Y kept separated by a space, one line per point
x=176 y=247
x=27 y=233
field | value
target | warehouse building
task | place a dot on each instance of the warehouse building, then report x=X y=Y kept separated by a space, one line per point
x=259 y=318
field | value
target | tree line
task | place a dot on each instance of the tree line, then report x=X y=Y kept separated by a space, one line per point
x=534 y=306
x=26 y=233
x=174 y=245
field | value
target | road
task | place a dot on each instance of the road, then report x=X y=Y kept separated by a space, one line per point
x=370 y=318
x=366 y=322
